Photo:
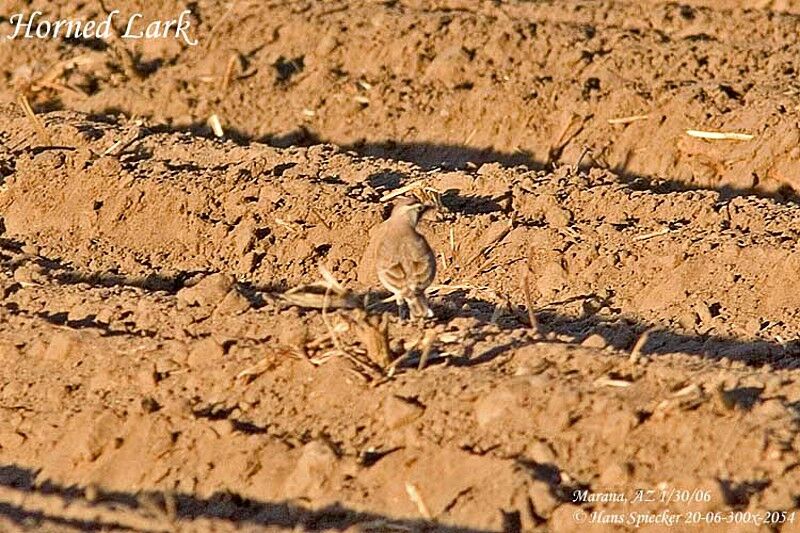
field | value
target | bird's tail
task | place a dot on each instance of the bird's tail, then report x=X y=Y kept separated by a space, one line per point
x=418 y=306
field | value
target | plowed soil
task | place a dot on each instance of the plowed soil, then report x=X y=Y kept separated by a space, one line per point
x=156 y=376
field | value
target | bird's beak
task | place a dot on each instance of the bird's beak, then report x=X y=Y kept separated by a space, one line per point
x=423 y=210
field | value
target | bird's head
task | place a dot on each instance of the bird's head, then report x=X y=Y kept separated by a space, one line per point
x=408 y=208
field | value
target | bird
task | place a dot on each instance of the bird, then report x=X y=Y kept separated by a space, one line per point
x=405 y=262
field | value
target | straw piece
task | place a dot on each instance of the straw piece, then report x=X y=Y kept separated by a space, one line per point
x=628 y=120
x=719 y=135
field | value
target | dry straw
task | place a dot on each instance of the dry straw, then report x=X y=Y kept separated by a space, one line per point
x=628 y=120
x=719 y=135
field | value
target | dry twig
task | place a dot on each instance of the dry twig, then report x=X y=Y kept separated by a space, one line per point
x=526 y=290
x=373 y=333
x=226 y=78
x=416 y=498
x=636 y=351
x=119 y=146
x=719 y=135
x=628 y=120
x=426 y=348
x=22 y=100
x=608 y=382
x=658 y=233
x=216 y=125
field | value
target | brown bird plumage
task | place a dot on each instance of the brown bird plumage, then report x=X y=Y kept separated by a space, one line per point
x=404 y=260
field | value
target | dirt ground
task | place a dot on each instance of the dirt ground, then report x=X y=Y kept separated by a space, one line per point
x=155 y=375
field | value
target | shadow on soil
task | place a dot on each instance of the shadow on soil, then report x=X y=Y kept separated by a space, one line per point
x=512 y=326
x=430 y=156
x=620 y=333
x=597 y=317
x=227 y=506
x=445 y=156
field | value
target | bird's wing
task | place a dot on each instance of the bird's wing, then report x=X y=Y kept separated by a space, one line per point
x=389 y=259
x=405 y=261
x=394 y=273
x=419 y=262
x=366 y=267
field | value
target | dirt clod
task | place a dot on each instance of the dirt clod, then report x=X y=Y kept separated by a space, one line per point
x=209 y=291
x=398 y=412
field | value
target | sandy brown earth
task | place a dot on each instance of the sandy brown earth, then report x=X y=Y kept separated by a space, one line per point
x=155 y=375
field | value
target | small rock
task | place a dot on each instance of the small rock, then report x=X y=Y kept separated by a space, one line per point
x=147 y=378
x=616 y=474
x=618 y=425
x=79 y=313
x=327 y=44
x=166 y=364
x=244 y=237
x=149 y=405
x=704 y=313
x=688 y=320
x=90 y=493
x=567 y=518
x=10 y=440
x=530 y=360
x=62 y=346
x=753 y=326
x=177 y=350
x=104 y=316
x=541 y=452
x=210 y=291
x=494 y=406
x=314 y=469
x=771 y=409
x=346 y=266
x=248 y=262
x=30 y=249
x=398 y=411
x=30 y=274
x=772 y=385
x=448 y=68
x=528 y=519
x=552 y=278
x=723 y=400
x=558 y=217
x=223 y=427
x=105 y=428
x=234 y=303
x=542 y=499
x=205 y=351
x=178 y=407
x=594 y=340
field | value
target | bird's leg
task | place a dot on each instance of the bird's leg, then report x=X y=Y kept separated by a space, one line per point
x=419 y=307
x=400 y=305
x=426 y=306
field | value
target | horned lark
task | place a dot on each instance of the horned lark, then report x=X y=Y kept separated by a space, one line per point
x=404 y=261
